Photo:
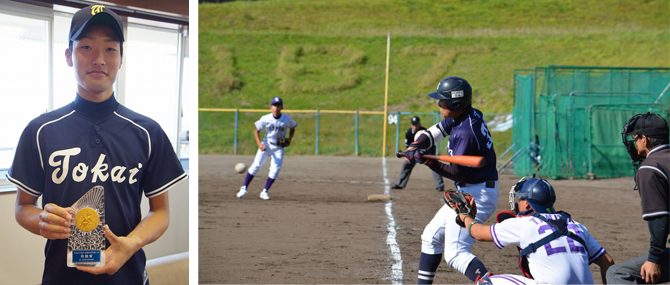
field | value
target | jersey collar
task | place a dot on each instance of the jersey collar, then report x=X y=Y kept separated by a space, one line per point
x=663 y=146
x=466 y=114
x=95 y=111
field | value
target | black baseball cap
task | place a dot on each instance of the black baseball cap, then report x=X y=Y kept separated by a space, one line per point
x=277 y=101
x=94 y=14
x=415 y=121
x=650 y=125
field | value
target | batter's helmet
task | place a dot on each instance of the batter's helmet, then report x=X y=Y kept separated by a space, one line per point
x=454 y=93
x=537 y=191
x=415 y=121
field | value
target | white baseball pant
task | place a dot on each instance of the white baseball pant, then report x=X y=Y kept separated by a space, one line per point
x=443 y=236
x=277 y=154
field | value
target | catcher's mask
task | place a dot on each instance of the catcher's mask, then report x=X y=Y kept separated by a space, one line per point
x=537 y=191
x=649 y=125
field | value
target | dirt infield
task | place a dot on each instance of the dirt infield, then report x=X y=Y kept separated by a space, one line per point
x=319 y=228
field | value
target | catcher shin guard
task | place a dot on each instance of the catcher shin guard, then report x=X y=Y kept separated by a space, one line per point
x=476 y=269
x=428 y=264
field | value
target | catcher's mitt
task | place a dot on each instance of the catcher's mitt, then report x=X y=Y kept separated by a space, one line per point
x=284 y=142
x=461 y=203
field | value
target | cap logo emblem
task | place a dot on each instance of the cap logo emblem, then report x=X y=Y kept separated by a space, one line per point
x=95 y=9
x=457 y=94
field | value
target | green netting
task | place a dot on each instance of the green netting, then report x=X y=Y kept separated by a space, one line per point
x=574 y=115
x=605 y=148
x=523 y=121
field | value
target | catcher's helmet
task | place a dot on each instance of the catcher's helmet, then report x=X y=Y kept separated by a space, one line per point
x=537 y=191
x=454 y=93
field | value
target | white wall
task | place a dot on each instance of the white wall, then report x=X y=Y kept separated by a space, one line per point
x=22 y=253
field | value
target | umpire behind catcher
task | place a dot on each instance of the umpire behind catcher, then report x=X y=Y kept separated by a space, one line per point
x=646 y=139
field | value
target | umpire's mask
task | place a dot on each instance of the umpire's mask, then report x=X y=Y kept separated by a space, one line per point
x=649 y=125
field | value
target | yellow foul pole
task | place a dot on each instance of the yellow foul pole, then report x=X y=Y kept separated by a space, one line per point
x=386 y=92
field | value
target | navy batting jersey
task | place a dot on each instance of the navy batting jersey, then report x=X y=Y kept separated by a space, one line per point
x=468 y=135
x=63 y=153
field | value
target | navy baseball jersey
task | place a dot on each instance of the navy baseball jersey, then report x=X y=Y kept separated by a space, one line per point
x=468 y=135
x=63 y=153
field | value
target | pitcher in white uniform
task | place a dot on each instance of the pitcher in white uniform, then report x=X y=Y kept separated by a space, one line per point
x=556 y=248
x=275 y=126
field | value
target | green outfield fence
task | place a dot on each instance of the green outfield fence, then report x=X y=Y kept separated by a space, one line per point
x=568 y=119
x=328 y=132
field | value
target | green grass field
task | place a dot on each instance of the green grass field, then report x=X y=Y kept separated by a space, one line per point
x=331 y=55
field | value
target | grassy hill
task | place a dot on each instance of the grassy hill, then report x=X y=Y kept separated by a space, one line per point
x=331 y=55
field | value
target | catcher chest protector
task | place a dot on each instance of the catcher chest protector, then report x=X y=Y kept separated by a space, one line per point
x=559 y=227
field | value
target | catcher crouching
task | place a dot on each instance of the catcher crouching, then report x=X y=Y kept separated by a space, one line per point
x=553 y=247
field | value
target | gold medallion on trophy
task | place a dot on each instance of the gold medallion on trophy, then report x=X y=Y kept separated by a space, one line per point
x=87 y=219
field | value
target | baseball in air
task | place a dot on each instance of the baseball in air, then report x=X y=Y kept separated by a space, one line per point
x=240 y=167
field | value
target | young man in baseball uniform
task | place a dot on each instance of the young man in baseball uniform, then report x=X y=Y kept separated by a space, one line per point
x=275 y=126
x=555 y=248
x=407 y=167
x=646 y=139
x=95 y=141
x=468 y=135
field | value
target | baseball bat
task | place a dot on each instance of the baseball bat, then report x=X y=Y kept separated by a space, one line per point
x=464 y=160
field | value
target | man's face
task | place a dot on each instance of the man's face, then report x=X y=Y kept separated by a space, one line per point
x=641 y=145
x=276 y=109
x=96 y=59
x=524 y=205
x=446 y=113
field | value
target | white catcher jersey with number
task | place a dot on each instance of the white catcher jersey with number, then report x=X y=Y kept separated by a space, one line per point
x=561 y=261
x=275 y=128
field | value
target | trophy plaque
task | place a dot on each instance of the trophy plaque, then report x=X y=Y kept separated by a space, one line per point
x=86 y=244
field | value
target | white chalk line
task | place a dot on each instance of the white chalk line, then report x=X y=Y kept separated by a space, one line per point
x=394 y=248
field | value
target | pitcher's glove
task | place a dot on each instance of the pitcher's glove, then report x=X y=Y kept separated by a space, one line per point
x=461 y=203
x=284 y=142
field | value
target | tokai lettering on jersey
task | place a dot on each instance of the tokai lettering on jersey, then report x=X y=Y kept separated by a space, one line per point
x=100 y=171
x=275 y=128
x=272 y=128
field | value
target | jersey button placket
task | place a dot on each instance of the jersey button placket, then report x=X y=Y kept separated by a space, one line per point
x=97 y=140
